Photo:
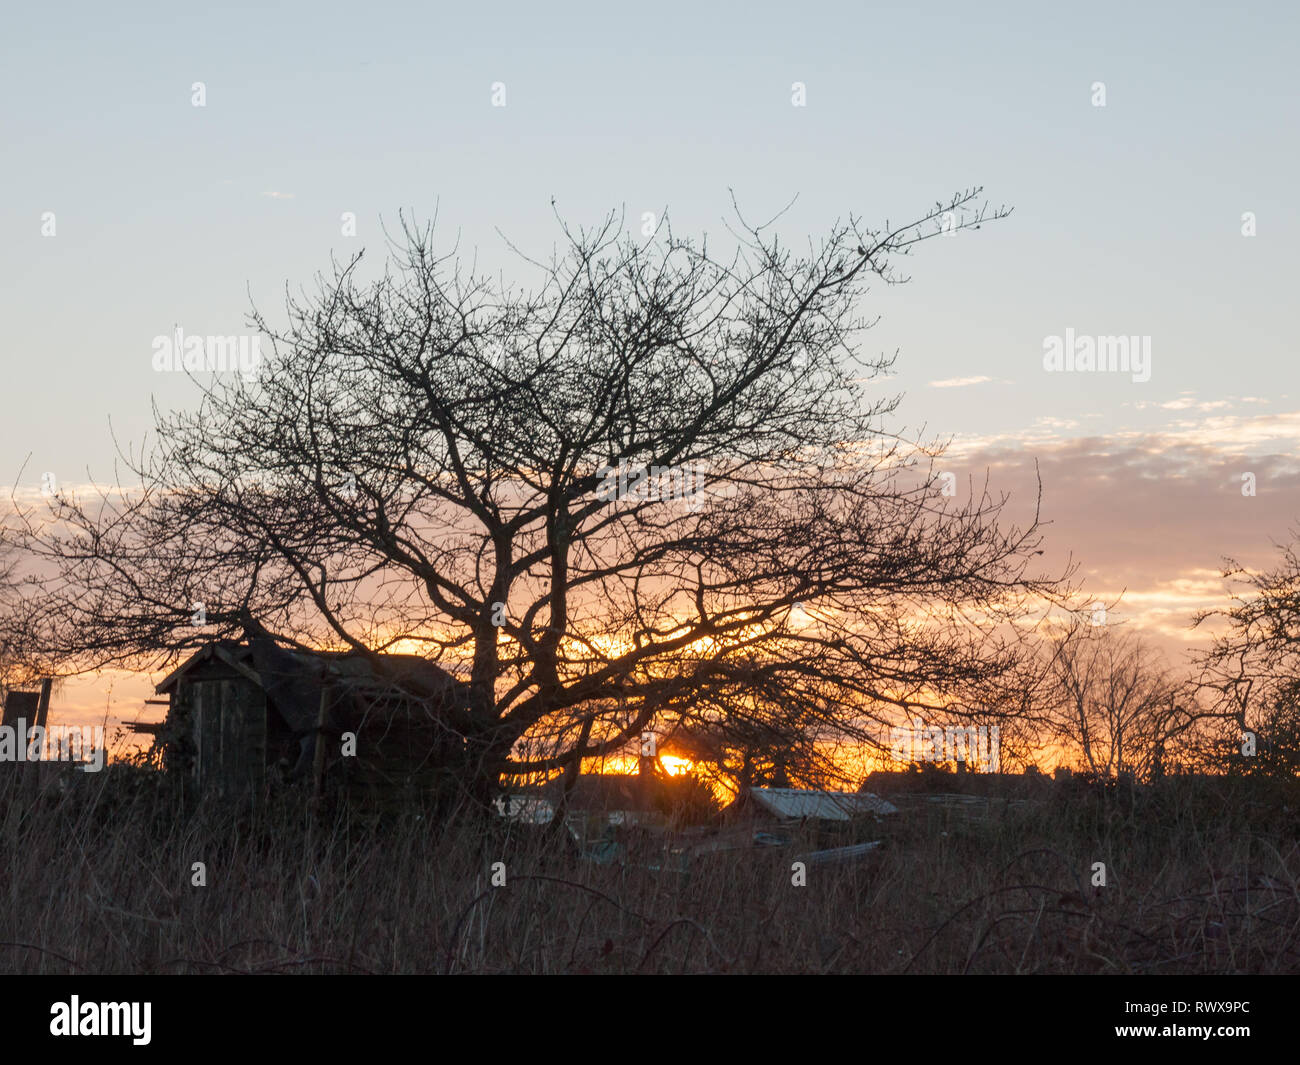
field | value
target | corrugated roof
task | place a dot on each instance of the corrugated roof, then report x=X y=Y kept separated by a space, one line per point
x=794 y=803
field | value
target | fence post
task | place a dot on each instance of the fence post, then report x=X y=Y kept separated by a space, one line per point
x=33 y=769
x=318 y=759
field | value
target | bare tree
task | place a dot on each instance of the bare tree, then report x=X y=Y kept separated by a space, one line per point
x=1249 y=679
x=1116 y=705
x=652 y=489
x=19 y=664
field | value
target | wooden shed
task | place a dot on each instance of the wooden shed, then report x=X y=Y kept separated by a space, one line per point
x=245 y=716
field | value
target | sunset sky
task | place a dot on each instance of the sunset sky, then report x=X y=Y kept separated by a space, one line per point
x=1128 y=219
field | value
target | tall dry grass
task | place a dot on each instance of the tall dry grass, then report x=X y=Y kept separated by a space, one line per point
x=1201 y=876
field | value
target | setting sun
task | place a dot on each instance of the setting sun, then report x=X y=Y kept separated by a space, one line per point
x=675 y=766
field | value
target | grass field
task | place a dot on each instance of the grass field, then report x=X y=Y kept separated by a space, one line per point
x=1200 y=877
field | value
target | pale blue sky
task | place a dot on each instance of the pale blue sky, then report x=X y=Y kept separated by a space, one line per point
x=1127 y=218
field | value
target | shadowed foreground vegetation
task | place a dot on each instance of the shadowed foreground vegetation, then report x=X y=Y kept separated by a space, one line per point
x=1201 y=877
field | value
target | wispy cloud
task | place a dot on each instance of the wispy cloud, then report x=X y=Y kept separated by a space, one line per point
x=1188 y=401
x=959 y=382
x=1258 y=433
x=279 y=195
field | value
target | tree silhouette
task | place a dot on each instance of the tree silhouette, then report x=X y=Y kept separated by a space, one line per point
x=1249 y=678
x=1111 y=702
x=650 y=489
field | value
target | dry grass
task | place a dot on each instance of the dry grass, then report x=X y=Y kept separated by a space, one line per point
x=1201 y=877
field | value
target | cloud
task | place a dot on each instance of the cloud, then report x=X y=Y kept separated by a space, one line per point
x=279 y=195
x=1186 y=402
x=1149 y=517
x=959 y=382
x=1259 y=433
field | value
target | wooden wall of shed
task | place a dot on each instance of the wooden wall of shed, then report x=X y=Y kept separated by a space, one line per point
x=179 y=732
x=226 y=740
x=223 y=720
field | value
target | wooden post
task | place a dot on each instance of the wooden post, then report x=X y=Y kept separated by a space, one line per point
x=43 y=707
x=32 y=771
x=318 y=760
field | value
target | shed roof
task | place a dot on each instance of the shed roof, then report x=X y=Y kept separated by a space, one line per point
x=409 y=672
x=236 y=656
x=294 y=680
x=794 y=803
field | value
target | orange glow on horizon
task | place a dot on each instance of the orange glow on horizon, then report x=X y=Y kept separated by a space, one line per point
x=673 y=765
